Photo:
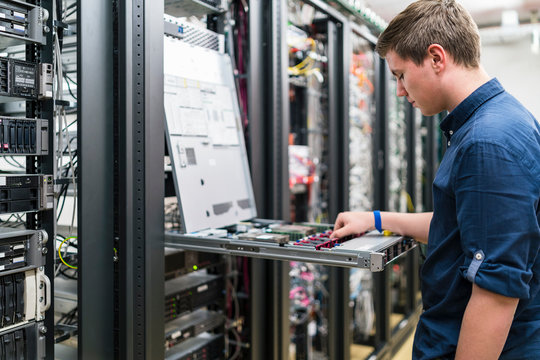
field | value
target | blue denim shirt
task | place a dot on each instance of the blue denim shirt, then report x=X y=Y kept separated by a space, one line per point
x=485 y=227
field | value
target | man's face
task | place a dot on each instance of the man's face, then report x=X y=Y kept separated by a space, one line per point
x=419 y=84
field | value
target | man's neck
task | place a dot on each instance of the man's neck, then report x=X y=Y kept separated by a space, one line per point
x=462 y=82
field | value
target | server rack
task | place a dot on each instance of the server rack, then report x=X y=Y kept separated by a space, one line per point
x=388 y=338
x=46 y=219
x=362 y=167
x=278 y=320
x=27 y=333
x=213 y=306
x=433 y=148
x=331 y=195
x=273 y=202
x=120 y=224
x=95 y=220
x=140 y=204
x=269 y=118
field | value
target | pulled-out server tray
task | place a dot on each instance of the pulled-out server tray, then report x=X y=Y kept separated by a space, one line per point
x=371 y=251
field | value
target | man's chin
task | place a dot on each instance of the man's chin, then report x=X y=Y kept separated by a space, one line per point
x=426 y=112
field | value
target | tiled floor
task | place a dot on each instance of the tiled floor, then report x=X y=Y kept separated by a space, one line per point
x=362 y=352
x=405 y=353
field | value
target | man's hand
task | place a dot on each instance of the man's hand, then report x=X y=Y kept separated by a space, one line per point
x=349 y=223
x=485 y=325
x=415 y=225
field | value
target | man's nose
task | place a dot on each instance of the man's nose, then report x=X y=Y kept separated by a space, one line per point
x=401 y=89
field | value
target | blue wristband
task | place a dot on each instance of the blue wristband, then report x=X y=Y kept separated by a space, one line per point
x=378 y=225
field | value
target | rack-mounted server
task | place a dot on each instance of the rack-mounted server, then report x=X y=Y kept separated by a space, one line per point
x=179 y=262
x=26 y=80
x=190 y=292
x=23 y=193
x=26 y=341
x=191 y=325
x=182 y=8
x=20 y=20
x=21 y=249
x=204 y=346
x=25 y=297
x=23 y=136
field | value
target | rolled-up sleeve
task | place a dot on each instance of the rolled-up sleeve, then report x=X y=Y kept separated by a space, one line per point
x=497 y=205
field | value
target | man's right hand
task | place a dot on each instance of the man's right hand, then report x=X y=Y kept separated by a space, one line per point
x=349 y=223
x=415 y=225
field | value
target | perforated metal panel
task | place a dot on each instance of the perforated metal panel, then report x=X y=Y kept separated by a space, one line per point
x=194 y=35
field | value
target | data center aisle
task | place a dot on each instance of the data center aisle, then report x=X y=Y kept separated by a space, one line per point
x=405 y=353
x=359 y=352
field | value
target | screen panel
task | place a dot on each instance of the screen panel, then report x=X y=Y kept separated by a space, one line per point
x=205 y=138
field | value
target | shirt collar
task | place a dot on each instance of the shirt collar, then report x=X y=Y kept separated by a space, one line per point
x=467 y=107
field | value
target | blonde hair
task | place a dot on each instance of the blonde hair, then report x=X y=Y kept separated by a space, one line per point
x=426 y=22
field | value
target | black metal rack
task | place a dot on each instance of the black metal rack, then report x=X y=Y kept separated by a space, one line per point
x=120 y=209
x=45 y=220
x=95 y=182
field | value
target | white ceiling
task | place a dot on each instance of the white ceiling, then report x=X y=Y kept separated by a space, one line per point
x=484 y=12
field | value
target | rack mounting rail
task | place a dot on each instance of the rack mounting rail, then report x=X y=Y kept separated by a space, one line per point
x=371 y=251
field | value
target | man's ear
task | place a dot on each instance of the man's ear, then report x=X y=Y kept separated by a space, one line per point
x=437 y=56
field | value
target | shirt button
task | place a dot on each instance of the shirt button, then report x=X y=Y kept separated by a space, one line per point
x=478 y=256
x=449 y=143
x=451 y=132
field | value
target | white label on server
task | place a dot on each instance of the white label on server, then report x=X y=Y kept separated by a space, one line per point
x=17 y=247
x=2 y=15
x=2 y=178
x=18 y=14
x=2 y=267
x=2 y=28
x=19 y=259
x=312 y=328
x=18 y=27
x=2 y=255
x=176 y=334
x=202 y=288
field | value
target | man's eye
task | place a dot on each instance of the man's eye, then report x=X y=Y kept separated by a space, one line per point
x=401 y=77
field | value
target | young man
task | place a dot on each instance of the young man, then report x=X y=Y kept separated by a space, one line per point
x=481 y=278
